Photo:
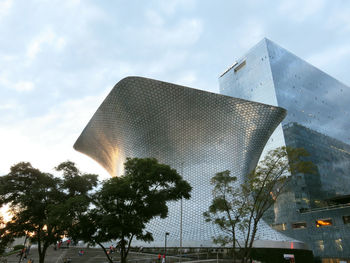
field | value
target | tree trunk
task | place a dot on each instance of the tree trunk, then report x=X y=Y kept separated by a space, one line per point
x=249 y=249
x=41 y=252
x=123 y=253
x=42 y=255
x=246 y=241
x=42 y=258
x=234 y=250
x=104 y=250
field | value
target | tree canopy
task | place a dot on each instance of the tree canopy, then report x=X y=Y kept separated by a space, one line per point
x=43 y=207
x=124 y=205
x=240 y=207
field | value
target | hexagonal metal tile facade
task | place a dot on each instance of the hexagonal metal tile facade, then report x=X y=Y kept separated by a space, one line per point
x=196 y=132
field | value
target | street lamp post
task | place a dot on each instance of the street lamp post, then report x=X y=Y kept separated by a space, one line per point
x=181 y=232
x=166 y=234
x=181 y=212
x=24 y=245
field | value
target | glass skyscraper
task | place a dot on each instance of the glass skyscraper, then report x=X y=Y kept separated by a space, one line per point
x=316 y=209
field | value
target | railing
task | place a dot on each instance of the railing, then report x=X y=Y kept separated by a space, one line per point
x=309 y=210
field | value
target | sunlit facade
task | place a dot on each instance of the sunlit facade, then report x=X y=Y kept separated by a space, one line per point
x=196 y=132
x=317 y=207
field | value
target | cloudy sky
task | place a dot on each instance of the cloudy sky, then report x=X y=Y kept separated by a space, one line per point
x=59 y=59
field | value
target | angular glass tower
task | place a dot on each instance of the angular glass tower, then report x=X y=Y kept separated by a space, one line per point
x=196 y=132
x=316 y=209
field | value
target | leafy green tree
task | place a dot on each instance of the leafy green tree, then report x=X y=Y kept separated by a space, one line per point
x=228 y=209
x=44 y=207
x=124 y=205
x=243 y=206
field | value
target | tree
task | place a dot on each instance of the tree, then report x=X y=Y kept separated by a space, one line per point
x=4 y=239
x=44 y=207
x=244 y=205
x=124 y=205
x=227 y=210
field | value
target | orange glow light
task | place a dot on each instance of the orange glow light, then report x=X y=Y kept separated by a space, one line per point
x=323 y=223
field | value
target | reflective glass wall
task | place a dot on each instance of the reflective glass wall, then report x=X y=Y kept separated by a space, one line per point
x=318 y=119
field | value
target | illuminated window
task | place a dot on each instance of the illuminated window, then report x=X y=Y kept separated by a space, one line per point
x=240 y=66
x=320 y=245
x=346 y=219
x=324 y=222
x=338 y=244
x=299 y=225
x=279 y=227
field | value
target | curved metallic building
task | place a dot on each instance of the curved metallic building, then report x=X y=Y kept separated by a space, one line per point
x=196 y=132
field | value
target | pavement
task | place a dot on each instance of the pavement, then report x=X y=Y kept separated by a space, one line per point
x=91 y=255
x=96 y=255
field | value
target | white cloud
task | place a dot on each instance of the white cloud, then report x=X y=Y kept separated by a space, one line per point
x=332 y=56
x=299 y=10
x=339 y=19
x=154 y=18
x=20 y=85
x=46 y=37
x=250 y=33
x=169 y=61
x=185 y=32
x=5 y=7
x=170 y=7
x=73 y=3
x=23 y=86
x=187 y=79
x=9 y=105
x=47 y=140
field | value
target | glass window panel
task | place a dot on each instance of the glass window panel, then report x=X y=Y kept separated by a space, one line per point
x=320 y=245
x=299 y=225
x=338 y=244
x=279 y=227
x=346 y=219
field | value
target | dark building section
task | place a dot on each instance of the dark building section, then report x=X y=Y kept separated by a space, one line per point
x=331 y=157
x=322 y=215
x=325 y=230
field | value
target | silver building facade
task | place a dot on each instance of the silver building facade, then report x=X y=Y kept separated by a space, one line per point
x=196 y=132
x=316 y=208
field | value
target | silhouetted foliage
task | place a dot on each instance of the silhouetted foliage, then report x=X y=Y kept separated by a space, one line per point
x=124 y=205
x=43 y=207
